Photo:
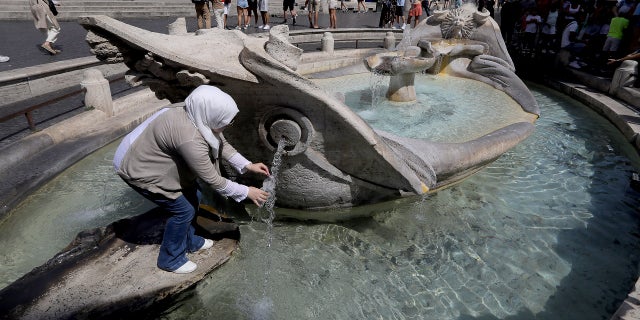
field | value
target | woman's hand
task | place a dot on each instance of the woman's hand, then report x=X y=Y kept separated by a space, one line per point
x=258 y=196
x=259 y=168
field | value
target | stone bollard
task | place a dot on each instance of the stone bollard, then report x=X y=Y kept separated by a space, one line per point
x=390 y=41
x=327 y=42
x=97 y=91
x=178 y=27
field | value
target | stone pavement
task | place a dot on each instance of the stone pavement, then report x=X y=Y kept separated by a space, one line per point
x=21 y=41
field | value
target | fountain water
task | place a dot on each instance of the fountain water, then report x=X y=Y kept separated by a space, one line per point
x=262 y=308
x=557 y=241
x=334 y=158
x=270 y=186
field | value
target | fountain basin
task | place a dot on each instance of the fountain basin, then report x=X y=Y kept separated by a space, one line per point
x=475 y=258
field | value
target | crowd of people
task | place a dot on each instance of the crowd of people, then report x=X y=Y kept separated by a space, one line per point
x=393 y=12
x=595 y=34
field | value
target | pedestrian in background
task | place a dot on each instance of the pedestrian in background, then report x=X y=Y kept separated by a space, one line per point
x=243 y=20
x=333 y=7
x=387 y=14
x=361 y=4
x=253 y=11
x=312 y=6
x=415 y=12
x=509 y=15
x=45 y=21
x=218 y=12
x=425 y=7
x=400 y=14
x=533 y=21
x=263 y=6
x=227 y=4
x=288 y=5
x=548 y=33
x=202 y=14
x=619 y=23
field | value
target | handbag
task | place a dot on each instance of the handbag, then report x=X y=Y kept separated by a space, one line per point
x=52 y=7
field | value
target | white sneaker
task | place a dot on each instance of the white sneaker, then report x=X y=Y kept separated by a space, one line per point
x=188 y=267
x=261 y=27
x=4 y=58
x=266 y=27
x=404 y=25
x=208 y=243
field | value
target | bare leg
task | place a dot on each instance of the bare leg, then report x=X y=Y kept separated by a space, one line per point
x=265 y=19
x=332 y=18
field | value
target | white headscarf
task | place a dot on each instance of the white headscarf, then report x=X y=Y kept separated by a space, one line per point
x=210 y=108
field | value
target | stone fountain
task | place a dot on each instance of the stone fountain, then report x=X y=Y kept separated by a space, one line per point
x=332 y=159
x=331 y=149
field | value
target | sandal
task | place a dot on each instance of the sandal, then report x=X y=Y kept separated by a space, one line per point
x=49 y=49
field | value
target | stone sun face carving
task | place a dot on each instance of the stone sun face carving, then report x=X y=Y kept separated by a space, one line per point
x=458 y=24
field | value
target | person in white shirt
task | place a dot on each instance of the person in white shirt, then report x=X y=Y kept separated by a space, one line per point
x=548 y=33
x=533 y=20
x=570 y=42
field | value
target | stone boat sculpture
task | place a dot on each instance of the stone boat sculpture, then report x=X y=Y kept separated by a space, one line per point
x=333 y=157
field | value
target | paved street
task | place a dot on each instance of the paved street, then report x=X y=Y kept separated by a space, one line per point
x=21 y=41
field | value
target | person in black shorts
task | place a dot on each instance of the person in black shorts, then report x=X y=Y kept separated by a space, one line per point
x=288 y=5
x=253 y=10
x=400 y=14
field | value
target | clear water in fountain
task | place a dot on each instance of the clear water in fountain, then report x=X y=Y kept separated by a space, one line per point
x=447 y=109
x=548 y=231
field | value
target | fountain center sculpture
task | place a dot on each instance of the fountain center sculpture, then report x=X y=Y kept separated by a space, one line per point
x=402 y=67
x=333 y=158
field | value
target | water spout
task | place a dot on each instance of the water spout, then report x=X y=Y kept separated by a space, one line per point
x=269 y=185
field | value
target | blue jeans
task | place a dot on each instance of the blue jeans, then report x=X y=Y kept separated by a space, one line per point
x=179 y=234
x=575 y=48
